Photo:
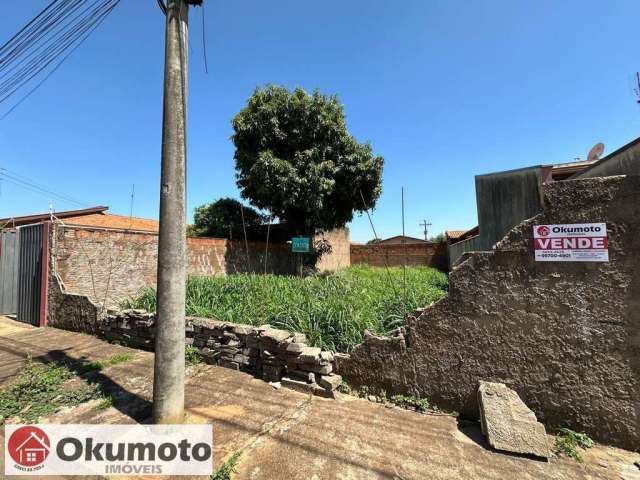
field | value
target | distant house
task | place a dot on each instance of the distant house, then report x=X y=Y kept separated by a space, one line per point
x=88 y=217
x=400 y=240
x=504 y=199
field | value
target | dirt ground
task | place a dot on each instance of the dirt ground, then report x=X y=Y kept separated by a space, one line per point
x=287 y=435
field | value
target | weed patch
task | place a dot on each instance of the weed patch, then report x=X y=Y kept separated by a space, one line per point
x=228 y=468
x=333 y=311
x=104 y=404
x=410 y=402
x=192 y=355
x=39 y=391
x=569 y=443
x=345 y=388
x=102 y=364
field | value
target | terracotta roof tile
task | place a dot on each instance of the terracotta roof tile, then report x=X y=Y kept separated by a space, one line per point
x=108 y=220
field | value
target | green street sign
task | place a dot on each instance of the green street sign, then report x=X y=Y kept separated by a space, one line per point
x=300 y=244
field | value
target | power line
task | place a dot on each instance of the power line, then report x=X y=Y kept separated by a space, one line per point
x=204 y=42
x=36 y=187
x=55 y=33
x=51 y=72
x=37 y=58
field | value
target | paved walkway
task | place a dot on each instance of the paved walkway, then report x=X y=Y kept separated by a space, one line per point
x=287 y=435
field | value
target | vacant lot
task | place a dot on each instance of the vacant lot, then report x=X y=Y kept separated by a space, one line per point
x=333 y=311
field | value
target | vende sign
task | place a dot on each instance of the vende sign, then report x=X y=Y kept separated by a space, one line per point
x=573 y=242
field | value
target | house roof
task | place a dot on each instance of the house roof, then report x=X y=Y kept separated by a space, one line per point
x=40 y=217
x=455 y=234
x=88 y=217
x=472 y=232
x=121 y=222
x=398 y=237
x=32 y=436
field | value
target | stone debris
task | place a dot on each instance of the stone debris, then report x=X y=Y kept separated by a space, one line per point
x=276 y=356
x=508 y=423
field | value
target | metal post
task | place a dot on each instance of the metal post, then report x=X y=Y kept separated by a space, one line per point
x=168 y=378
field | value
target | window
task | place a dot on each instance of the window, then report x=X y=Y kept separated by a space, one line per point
x=31 y=456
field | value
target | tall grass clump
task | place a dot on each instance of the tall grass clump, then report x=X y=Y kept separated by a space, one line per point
x=333 y=311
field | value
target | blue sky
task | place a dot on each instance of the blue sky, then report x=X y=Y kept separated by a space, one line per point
x=443 y=90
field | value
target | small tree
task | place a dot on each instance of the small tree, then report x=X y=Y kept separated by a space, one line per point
x=223 y=219
x=295 y=158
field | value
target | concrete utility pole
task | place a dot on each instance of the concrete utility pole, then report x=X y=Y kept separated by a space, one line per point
x=168 y=374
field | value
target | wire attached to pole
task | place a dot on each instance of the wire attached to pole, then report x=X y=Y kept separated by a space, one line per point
x=163 y=7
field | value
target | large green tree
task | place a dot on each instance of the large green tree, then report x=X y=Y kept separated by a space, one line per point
x=223 y=219
x=296 y=159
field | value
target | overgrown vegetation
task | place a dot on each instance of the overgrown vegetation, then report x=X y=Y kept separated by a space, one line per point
x=569 y=443
x=228 y=468
x=39 y=390
x=333 y=311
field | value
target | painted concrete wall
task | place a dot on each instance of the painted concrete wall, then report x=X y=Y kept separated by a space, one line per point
x=505 y=199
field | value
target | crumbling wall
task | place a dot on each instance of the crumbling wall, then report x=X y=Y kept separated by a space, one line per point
x=267 y=353
x=565 y=336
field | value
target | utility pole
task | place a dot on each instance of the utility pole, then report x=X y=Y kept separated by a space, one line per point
x=425 y=225
x=168 y=373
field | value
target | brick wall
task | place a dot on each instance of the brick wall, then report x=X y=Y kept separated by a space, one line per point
x=430 y=254
x=340 y=256
x=110 y=265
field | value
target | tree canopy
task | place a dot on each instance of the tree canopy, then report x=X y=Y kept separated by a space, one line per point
x=223 y=219
x=296 y=159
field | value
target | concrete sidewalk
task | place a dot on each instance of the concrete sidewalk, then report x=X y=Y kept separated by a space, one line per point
x=287 y=435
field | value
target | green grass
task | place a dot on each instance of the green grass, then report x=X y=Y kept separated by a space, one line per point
x=105 y=403
x=39 y=391
x=333 y=311
x=109 y=362
x=410 y=402
x=228 y=468
x=192 y=355
x=568 y=442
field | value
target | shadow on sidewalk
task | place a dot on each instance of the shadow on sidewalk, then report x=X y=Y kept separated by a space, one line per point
x=128 y=403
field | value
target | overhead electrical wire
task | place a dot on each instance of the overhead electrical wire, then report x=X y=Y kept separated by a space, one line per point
x=42 y=45
x=36 y=187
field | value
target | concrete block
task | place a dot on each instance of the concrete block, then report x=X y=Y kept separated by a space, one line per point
x=308 y=377
x=508 y=423
x=295 y=348
x=329 y=382
x=309 y=354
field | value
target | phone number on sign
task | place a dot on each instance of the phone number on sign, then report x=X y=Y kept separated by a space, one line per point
x=554 y=255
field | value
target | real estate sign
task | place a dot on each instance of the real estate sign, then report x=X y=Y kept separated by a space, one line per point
x=300 y=244
x=573 y=242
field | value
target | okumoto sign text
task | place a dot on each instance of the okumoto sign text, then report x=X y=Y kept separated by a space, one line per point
x=573 y=242
x=105 y=450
